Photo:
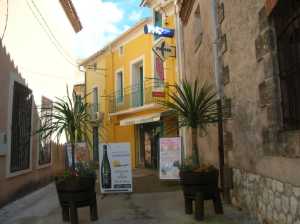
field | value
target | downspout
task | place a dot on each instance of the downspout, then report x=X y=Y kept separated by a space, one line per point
x=180 y=65
x=220 y=95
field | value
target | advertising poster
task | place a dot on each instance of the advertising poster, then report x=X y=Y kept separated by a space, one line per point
x=81 y=152
x=115 y=168
x=170 y=156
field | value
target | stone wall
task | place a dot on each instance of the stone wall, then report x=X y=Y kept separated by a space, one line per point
x=267 y=199
x=264 y=156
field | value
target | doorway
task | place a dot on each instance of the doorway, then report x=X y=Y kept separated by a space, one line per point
x=137 y=84
x=149 y=148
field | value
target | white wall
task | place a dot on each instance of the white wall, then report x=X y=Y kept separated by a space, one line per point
x=45 y=69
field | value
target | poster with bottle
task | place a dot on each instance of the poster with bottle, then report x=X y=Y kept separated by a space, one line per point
x=170 y=158
x=115 y=168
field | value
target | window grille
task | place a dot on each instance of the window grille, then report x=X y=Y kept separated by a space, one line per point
x=21 y=128
x=286 y=17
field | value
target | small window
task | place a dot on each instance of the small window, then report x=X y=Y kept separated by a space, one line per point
x=95 y=66
x=197 y=28
x=158 y=21
x=119 y=92
x=121 y=50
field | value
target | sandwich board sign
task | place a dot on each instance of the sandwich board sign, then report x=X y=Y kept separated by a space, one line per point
x=163 y=50
x=170 y=158
x=115 y=168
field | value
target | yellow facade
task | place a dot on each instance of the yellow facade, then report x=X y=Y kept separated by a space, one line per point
x=129 y=56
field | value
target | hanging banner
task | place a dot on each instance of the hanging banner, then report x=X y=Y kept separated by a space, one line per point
x=159 y=31
x=115 y=168
x=170 y=157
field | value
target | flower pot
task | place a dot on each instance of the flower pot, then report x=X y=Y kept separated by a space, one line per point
x=74 y=192
x=198 y=187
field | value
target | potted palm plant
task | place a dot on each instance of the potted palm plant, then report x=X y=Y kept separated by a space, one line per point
x=196 y=107
x=76 y=186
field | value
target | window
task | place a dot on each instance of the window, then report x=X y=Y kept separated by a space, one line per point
x=95 y=66
x=286 y=17
x=121 y=50
x=119 y=92
x=157 y=21
x=197 y=28
x=45 y=142
x=158 y=72
x=21 y=128
x=95 y=100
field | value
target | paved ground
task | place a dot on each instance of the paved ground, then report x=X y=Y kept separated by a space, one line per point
x=161 y=206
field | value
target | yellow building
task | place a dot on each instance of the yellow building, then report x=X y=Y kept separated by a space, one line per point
x=126 y=79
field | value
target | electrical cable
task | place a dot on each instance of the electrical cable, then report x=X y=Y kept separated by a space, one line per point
x=51 y=38
x=6 y=21
x=50 y=31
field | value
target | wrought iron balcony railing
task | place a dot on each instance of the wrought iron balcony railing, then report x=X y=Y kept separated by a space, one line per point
x=138 y=95
x=93 y=110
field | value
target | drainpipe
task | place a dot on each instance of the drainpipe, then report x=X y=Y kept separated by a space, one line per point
x=180 y=64
x=220 y=95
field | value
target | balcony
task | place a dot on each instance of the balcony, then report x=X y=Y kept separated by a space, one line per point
x=147 y=93
x=96 y=116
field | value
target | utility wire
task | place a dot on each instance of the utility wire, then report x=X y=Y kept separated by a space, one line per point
x=50 y=31
x=53 y=39
x=49 y=36
x=6 y=21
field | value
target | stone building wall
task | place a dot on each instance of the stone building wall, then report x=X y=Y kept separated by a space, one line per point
x=198 y=58
x=270 y=200
x=264 y=156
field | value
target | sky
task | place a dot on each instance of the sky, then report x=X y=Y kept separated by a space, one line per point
x=104 y=20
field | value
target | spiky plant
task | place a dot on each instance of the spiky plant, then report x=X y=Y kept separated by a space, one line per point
x=196 y=107
x=67 y=117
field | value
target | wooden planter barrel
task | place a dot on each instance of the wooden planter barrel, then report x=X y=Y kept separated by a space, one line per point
x=198 y=187
x=75 y=192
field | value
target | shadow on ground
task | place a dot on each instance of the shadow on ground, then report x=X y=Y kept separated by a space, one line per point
x=153 y=202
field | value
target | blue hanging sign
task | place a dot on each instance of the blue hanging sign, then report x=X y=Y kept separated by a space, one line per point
x=159 y=31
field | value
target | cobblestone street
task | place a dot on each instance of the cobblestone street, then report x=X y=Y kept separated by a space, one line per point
x=42 y=207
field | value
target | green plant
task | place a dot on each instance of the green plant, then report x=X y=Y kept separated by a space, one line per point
x=196 y=107
x=67 y=117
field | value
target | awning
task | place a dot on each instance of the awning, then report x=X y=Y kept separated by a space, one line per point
x=140 y=119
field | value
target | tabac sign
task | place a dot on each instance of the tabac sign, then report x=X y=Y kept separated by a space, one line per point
x=163 y=50
x=159 y=31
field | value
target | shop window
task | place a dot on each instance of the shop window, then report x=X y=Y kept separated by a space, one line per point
x=119 y=92
x=286 y=17
x=197 y=28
